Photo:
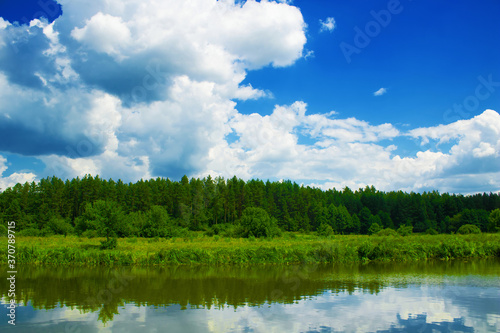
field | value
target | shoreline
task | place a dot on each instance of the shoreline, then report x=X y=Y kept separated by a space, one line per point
x=301 y=248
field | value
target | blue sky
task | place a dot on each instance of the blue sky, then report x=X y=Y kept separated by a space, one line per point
x=397 y=94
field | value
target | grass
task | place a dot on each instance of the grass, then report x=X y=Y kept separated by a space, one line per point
x=289 y=249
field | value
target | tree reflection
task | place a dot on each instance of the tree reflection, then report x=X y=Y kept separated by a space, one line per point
x=105 y=289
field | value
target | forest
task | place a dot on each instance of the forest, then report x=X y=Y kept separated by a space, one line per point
x=95 y=207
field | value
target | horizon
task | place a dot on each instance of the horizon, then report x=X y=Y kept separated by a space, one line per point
x=264 y=181
x=325 y=95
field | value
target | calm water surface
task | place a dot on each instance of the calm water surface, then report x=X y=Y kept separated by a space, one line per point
x=423 y=297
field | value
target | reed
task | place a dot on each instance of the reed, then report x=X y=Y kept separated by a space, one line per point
x=299 y=248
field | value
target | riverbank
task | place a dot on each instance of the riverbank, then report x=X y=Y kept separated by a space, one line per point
x=289 y=249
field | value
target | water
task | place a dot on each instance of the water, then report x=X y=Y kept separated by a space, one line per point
x=424 y=297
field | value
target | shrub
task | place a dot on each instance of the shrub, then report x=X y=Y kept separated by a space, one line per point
x=387 y=232
x=132 y=240
x=494 y=221
x=105 y=217
x=374 y=228
x=255 y=221
x=431 y=231
x=157 y=223
x=209 y=232
x=325 y=230
x=109 y=244
x=30 y=232
x=221 y=229
x=178 y=232
x=90 y=234
x=468 y=229
x=405 y=230
x=60 y=226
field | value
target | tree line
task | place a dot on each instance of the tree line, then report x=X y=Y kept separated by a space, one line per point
x=92 y=206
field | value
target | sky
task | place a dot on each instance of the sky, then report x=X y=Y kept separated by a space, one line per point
x=401 y=95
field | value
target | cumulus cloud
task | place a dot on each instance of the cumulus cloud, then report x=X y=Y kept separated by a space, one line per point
x=146 y=87
x=475 y=149
x=327 y=25
x=380 y=92
x=354 y=153
x=213 y=41
x=104 y=33
x=130 y=91
x=14 y=178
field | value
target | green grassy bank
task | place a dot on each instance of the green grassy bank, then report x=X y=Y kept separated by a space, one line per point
x=291 y=248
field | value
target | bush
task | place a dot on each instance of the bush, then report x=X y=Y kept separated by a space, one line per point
x=405 y=230
x=325 y=230
x=60 y=226
x=132 y=240
x=255 y=221
x=209 y=232
x=109 y=244
x=105 y=217
x=494 y=221
x=30 y=232
x=178 y=232
x=374 y=228
x=3 y=230
x=431 y=231
x=468 y=229
x=387 y=232
x=90 y=234
x=157 y=223
x=221 y=229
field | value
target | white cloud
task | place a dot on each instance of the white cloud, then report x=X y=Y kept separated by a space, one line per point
x=104 y=33
x=350 y=152
x=380 y=92
x=362 y=312
x=14 y=178
x=327 y=25
x=309 y=54
x=3 y=23
x=130 y=91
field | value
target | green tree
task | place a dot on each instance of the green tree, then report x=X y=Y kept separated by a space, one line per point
x=364 y=218
x=257 y=222
x=386 y=220
x=105 y=217
x=494 y=221
x=157 y=223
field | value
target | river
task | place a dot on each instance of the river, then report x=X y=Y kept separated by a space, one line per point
x=452 y=296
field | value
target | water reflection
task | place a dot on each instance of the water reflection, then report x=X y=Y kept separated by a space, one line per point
x=428 y=297
x=416 y=324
